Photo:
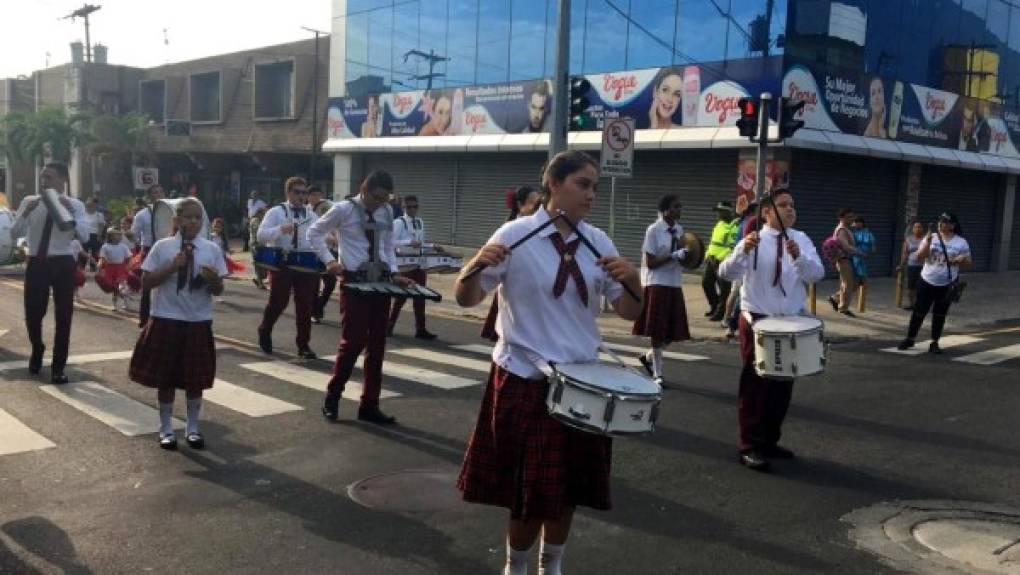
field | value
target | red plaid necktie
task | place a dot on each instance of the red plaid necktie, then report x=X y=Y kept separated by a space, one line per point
x=776 y=280
x=370 y=236
x=568 y=266
x=44 y=241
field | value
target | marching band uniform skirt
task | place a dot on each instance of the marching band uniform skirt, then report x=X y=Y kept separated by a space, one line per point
x=111 y=276
x=520 y=458
x=664 y=315
x=177 y=354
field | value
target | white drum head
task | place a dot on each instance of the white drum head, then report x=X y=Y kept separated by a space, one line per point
x=7 y=243
x=163 y=212
x=613 y=378
x=787 y=324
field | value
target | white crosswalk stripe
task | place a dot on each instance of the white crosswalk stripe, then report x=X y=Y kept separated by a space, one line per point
x=991 y=356
x=666 y=354
x=246 y=401
x=483 y=349
x=114 y=409
x=308 y=378
x=946 y=342
x=440 y=357
x=71 y=360
x=16 y=437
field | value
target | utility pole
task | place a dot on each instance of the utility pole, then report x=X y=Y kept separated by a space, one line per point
x=84 y=12
x=315 y=107
x=561 y=80
x=432 y=58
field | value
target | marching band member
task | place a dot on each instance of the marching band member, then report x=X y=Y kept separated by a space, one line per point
x=113 y=267
x=519 y=457
x=786 y=263
x=50 y=266
x=320 y=206
x=285 y=226
x=409 y=231
x=365 y=227
x=175 y=350
x=144 y=228
x=664 y=316
x=524 y=201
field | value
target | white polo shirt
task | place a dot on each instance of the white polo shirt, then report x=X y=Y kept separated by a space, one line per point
x=659 y=242
x=269 y=233
x=35 y=221
x=142 y=227
x=531 y=321
x=114 y=253
x=345 y=219
x=407 y=230
x=185 y=305
x=758 y=294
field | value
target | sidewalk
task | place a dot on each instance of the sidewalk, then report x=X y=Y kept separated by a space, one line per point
x=988 y=302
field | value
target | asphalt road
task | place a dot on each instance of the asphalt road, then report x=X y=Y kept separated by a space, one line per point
x=270 y=493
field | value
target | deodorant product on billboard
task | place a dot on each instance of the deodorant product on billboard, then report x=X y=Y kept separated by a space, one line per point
x=894 y=110
x=691 y=95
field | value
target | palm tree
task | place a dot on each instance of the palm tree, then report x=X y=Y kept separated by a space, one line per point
x=49 y=133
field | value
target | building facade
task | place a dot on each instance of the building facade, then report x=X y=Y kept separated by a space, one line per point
x=913 y=108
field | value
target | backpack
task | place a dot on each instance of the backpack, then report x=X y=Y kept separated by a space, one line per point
x=832 y=250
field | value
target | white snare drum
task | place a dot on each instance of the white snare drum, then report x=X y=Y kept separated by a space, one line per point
x=442 y=264
x=8 y=245
x=603 y=399
x=786 y=347
x=408 y=263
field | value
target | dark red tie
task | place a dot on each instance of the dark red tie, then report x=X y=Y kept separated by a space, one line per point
x=776 y=281
x=186 y=274
x=568 y=266
x=370 y=236
x=44 y=241
x=674 y=243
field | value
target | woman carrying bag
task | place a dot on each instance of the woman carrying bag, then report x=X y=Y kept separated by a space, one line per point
x=943 y=252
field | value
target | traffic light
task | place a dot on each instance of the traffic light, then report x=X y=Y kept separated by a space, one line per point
x=578 y=103
x=788 y=122
x=748 y=122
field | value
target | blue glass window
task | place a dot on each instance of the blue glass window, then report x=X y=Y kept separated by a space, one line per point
x=493 y=41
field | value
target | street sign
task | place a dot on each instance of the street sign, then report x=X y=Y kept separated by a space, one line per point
x=145 y=177
x=618 y=148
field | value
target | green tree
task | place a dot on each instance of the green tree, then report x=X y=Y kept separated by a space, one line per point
x=49 y=133
x=119 y=136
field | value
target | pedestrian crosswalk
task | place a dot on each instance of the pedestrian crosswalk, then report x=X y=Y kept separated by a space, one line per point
x=16 y=437
x=116 y=410
x=965 y=343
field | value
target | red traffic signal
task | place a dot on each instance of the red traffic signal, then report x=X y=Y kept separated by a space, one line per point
x=748 y=122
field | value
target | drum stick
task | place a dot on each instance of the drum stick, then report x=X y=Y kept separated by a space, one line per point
x=594 y=251
x=478 y=268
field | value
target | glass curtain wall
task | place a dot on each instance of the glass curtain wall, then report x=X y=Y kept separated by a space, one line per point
x=412 y=44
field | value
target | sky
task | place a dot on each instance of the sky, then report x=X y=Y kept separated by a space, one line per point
x=133 y=29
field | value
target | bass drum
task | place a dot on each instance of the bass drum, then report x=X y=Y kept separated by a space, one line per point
x=163 y=212
x=8 y=246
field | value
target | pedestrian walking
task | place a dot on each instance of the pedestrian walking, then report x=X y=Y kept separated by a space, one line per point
x=839 y=248
x=865 y=242
x=944 y=251
x=909 y=260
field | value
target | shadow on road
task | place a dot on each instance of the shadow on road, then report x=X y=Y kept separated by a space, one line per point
x=44 y=539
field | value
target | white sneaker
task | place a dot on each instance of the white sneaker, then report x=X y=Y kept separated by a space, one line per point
x=658 y=381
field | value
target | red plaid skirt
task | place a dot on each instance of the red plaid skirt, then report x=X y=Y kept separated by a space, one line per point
x=664 y=315
x=520 y=458
x=489 y=328
x=175 y=354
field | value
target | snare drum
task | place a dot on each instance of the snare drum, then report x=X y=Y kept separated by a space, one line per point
x=786 y=347
x=303 y=261
x=267 y=257
x=441 y=264
x=408 y=263
x=8 y=246
x=603 y=399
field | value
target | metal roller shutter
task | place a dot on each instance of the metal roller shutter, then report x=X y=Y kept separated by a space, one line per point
x=1014 y=241
x=972 y=196
x=823 y=183
x=483 y=179
x=428 y=176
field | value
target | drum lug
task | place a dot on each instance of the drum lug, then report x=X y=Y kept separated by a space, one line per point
x=793 y=342
x=610 y=408
x=760 y=339
x=558 y=392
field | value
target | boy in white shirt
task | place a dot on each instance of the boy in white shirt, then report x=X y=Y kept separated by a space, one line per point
x=175 y=350
x=409 y=231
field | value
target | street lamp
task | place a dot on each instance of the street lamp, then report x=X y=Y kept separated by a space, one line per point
x=315 y=105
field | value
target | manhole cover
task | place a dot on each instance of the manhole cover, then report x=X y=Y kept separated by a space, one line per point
x=941 y=536
x=411 y=490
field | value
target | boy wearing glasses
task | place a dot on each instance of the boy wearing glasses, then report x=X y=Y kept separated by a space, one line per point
x=409 y=231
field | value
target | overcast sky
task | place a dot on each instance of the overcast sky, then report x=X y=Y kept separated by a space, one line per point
x=133 y=29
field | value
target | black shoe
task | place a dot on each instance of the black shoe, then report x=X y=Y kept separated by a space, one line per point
x=316 y=320
x=643 y=358
x=331 y=409
x=168 y=442
x=35 y=361
x=908 y=308
x=716 y=317
x=424 y=334
x=934 y=348
x=58 y=378
x=710 y=312
x=905 y=344
x=195 y=440
x=778 y=452
x=753 y=459
x=266 y=342
x=848 y=313
x=305 y=352
x=833 y=303
x=375 y=415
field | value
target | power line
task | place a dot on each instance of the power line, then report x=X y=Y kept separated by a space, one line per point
x=367 y=10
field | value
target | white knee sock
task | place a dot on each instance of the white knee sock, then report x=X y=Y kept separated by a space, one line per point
x=194 y=408
x=516 y=561
x=549 y=559
x=166 y=418
x=657 y=361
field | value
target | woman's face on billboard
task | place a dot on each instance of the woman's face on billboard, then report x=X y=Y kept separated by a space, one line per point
x=441 y=114
x=877 y=93
x=668 y=95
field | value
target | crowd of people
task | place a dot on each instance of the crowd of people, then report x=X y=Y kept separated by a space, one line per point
x=546 y=300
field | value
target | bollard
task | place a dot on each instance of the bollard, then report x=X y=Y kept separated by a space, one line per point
x=862 y=291
x=899 y=287
x=812 y=303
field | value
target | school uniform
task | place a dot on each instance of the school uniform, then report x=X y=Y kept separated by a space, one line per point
x=407 y=230
x=518 y=456
x=176 y=347
x=305 y=286
x=664 y=314
x=50 y=266
x=115 y=258
x=144 y=229
x=778 y=287
x=364 y=237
